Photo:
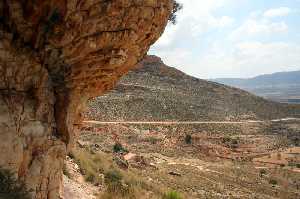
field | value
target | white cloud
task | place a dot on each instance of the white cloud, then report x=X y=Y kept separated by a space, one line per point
x=260 y=24
x=277 y=12
x=198 y=9
x=168 y=37
x=196 y=18
x=243 y=59
x=235 y=47
x=249 y=59
x=177 y=57
x=268 y=57
x=254 y=27
x=225 y=21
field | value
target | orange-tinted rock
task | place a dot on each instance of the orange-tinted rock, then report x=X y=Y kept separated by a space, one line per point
x=54 y=55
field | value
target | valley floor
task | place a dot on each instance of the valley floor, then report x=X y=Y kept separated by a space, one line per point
x=250 y=159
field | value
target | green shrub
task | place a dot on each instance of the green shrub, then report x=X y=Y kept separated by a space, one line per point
x=113 y=176
x=226 y=139
x=113 y=179
x=10 y=188
x=152 y=140
x=231 y=142
x=188 y=139
x=118 y=148
x=234 y=142
x=262 y=172
x=294 y=164
x=172 y=195
x=296 y=141
x=273 y=182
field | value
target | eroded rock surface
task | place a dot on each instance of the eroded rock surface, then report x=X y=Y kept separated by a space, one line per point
x=54 y=55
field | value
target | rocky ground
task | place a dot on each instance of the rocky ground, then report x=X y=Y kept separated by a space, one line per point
x=75 y=186
x=221 y=161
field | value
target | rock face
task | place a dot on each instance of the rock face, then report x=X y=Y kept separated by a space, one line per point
x=54 y=56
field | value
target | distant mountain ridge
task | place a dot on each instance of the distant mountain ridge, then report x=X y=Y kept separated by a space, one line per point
x=156 y=92
x=275 y=79
x=281 y=86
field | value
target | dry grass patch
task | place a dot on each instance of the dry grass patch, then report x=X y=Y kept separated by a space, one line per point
x=118 y=183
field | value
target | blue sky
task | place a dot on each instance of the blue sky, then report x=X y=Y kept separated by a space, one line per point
x=233 y=38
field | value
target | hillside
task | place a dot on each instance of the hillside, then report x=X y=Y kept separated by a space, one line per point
x=282 y=86
x=156 y=92
x=197 y=160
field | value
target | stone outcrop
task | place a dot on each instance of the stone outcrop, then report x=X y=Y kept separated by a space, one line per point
x=54 y=56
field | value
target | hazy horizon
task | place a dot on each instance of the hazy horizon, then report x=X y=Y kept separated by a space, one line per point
x=233 y=39
x=256 y=75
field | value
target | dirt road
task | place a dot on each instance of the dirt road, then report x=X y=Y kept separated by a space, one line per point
x=188 y=122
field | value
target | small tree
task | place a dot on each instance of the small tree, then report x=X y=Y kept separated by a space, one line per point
x=188 y=139
x=118 y=148
x=273 y=182
x=176 y=7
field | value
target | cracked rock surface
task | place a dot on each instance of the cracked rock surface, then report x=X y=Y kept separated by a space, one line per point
x=54 y=56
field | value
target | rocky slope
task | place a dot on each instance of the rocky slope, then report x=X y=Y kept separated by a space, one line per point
x=156 y=92
x=54 y=55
